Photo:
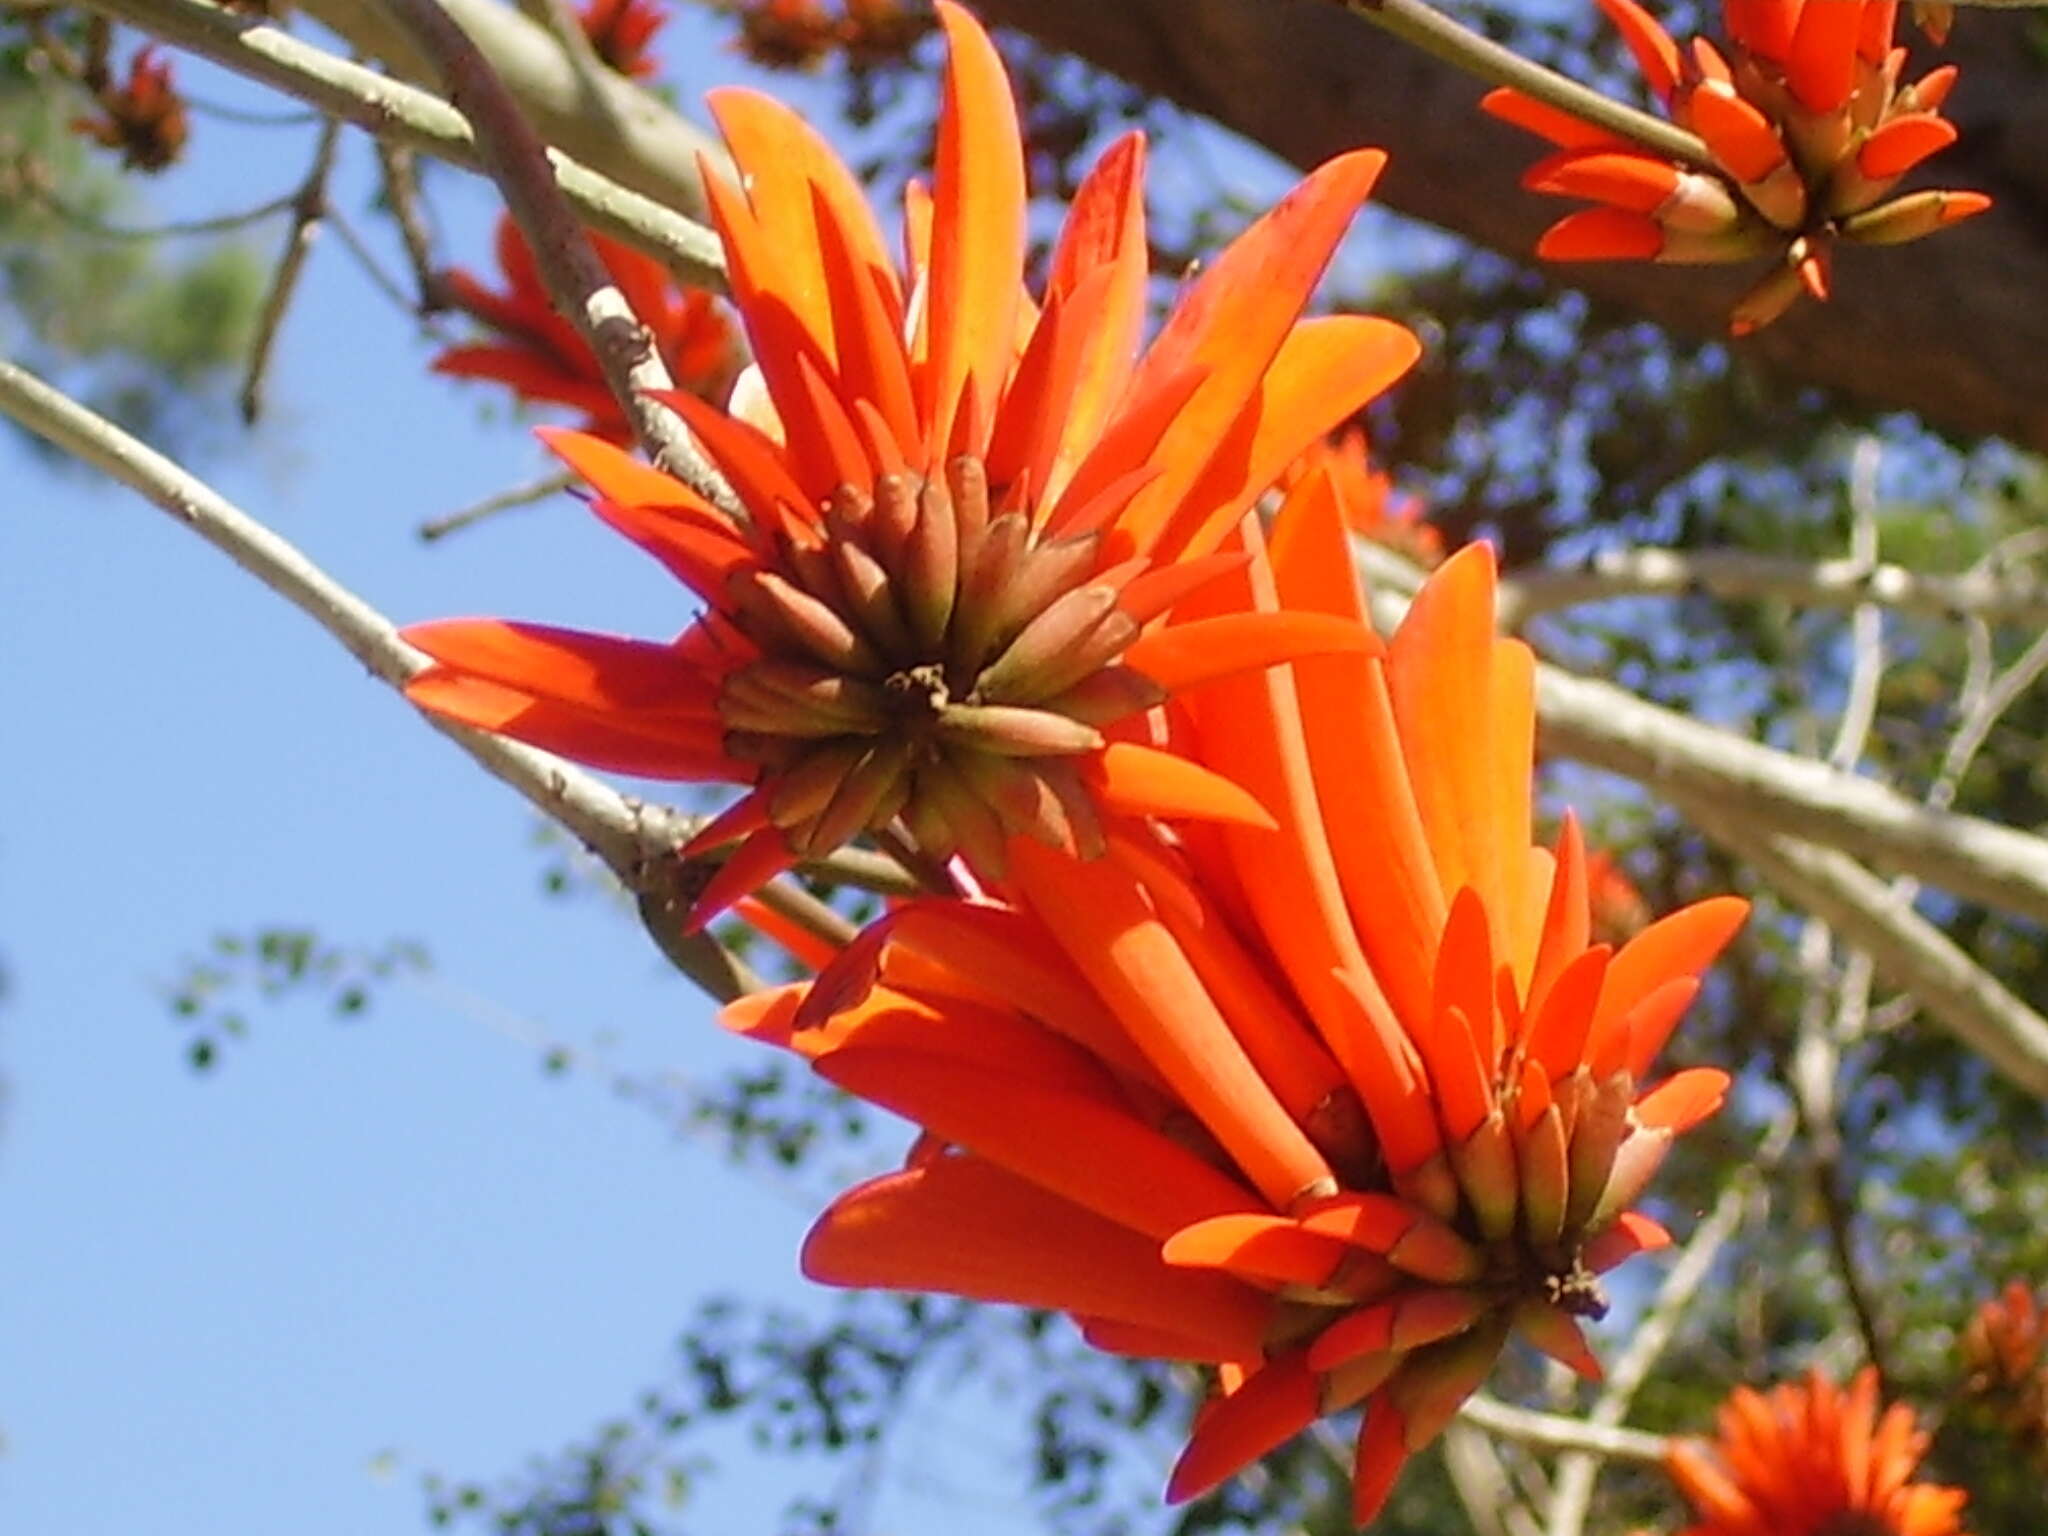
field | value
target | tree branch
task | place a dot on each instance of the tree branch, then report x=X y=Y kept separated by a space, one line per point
x=634 y=137
x=1766 y=789
x=1424 y=26
x=1951 y=327
x=1984 y=593
x=583 y=291
x=1905 y=948
x=637 y=841
x=1554 y=1432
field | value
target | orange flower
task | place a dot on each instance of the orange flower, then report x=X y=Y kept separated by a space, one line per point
x=1619 y=911
x=1334 y=1105
x=1812 y=1460
x=621 y=32
x=1808 y=128
x=540 y=356
x=144 y=118
x=2005 y=1353
x=962 y=513
x=1373 y=509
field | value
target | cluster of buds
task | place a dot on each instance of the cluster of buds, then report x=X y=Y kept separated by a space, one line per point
x=1807 y=128
x=621 y=33
x=2005 y=1353
x=143 y=116
x=802 y=34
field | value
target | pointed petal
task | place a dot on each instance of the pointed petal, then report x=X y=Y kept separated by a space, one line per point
x=1183 y=656
x=967 y=1228
x=1137 y=780
x=1546 y=121
x=1232 y=321
x=977 y=253
x=1276 y=1403
x=1103 y=920
x=1103 y=1160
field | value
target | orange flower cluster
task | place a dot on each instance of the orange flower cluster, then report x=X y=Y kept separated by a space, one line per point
x=801 y=34
x=1807 y=1459
x=1254 y=1028
x=622 y=31
x=1336 y=1104
x=1809 y=130
x=2005 y=1352
x=542 y=358
x=143 y=117
x=965 y=513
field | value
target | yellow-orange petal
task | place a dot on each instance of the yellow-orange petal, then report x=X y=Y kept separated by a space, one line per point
x=1231 y=322
x=1821 y=67
x=759 y=859
x=1182 y=656
x=1683 y=1100
x=615 y=474
x=1137 y=780
x=570 y=666
x=640 y=745
x=977 y=253
x=1258 y=1247
x=1684 y=943
x=1741 y=138
x=1325 y=370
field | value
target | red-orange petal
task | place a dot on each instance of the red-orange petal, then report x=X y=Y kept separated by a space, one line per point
x=1276 y=1403
x=1546 y=121
x=1102 y=1159
x=965 y=1227
x=1821 y=68
x=1102 y=919
x=1656 y=55
x=1903 y=143
x=1601 y=234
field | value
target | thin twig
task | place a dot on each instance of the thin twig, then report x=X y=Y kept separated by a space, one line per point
x=400 y=172
x=582 y=289
x=373 y=269
x=309 y=208
x=406 y=115
x=30 y=180
x=522 y=495
x=1554 y=1432
x=1427 y=28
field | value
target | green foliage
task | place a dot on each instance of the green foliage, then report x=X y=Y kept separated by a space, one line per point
x=211 y=999
x=143 y=331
